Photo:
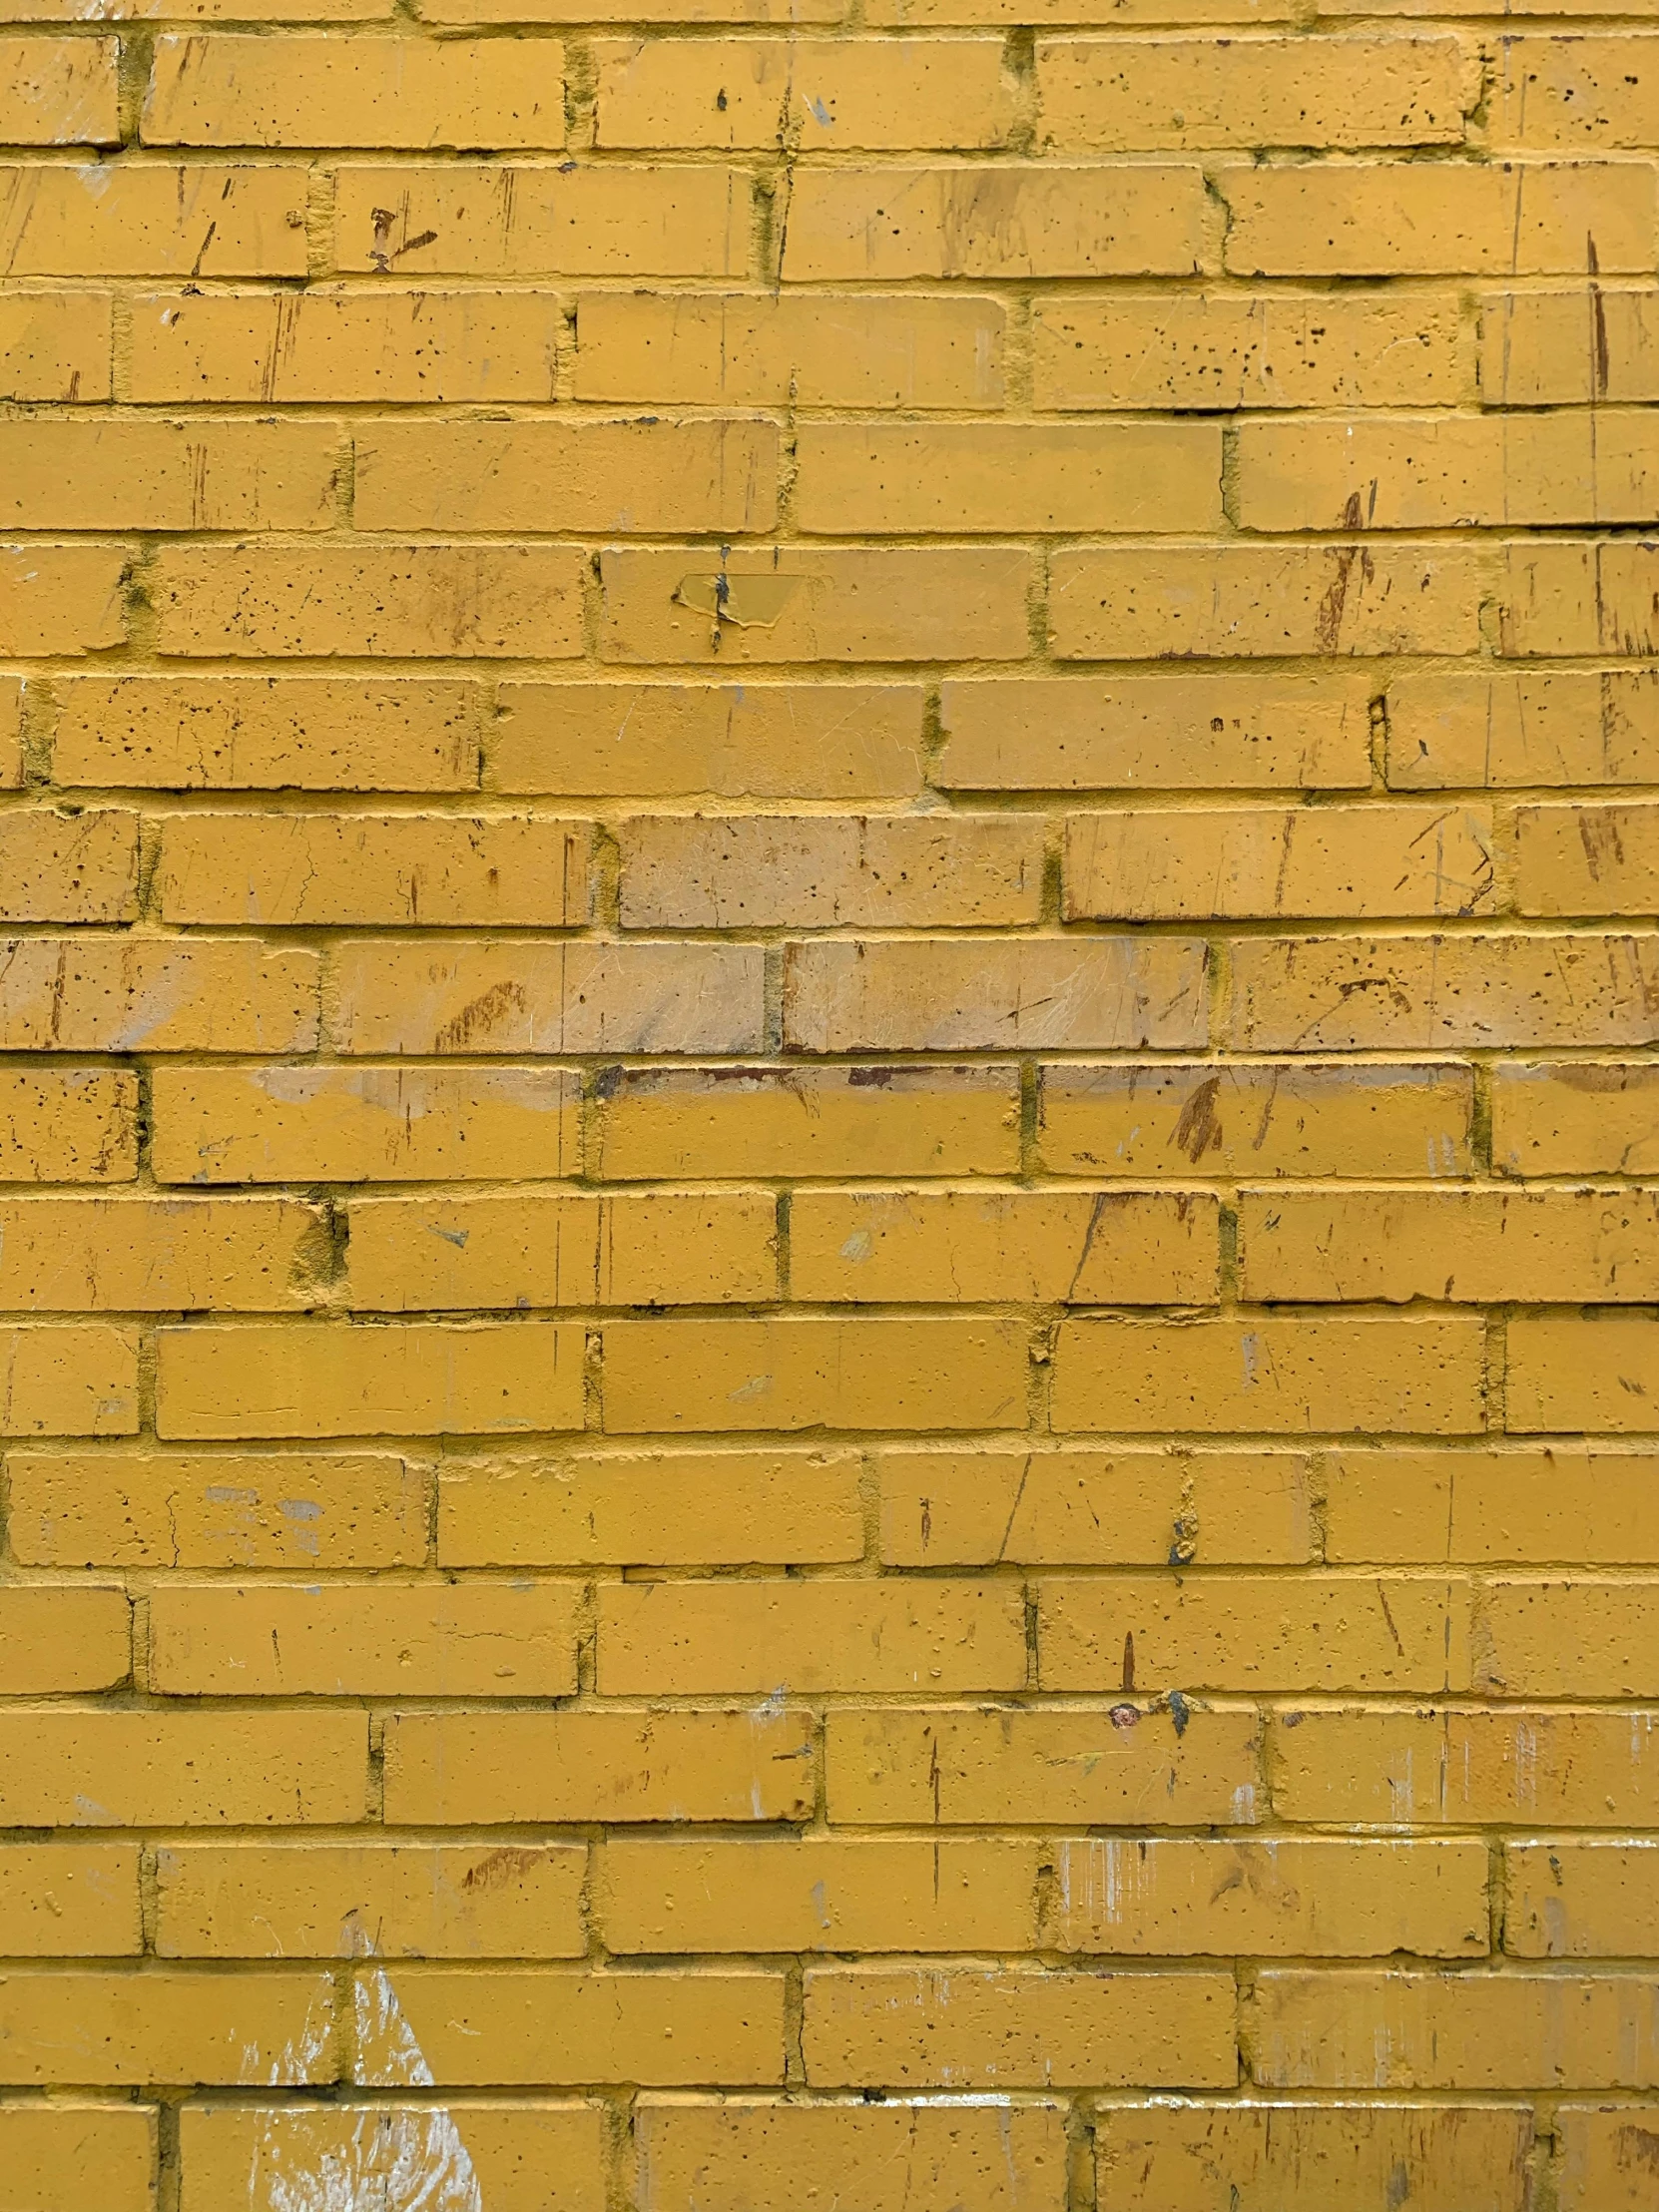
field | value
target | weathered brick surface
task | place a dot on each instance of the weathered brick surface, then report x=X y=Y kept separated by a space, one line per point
x=829 y=1143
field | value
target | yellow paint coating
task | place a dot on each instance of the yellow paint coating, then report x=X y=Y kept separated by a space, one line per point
x=828 y=1175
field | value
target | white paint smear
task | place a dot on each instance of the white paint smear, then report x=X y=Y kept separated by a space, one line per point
x=396 y=2158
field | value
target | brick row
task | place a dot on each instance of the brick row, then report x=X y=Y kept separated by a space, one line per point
x=754 y=872
x=979 y=1244
x=940 y=1505
x=1298 y=2150
x=1276 y=348
x=850 y=477
x=1388 y=1766
x=1046 y=219
x=806 y=603
x=1054 y=2030
x=1210 y=1633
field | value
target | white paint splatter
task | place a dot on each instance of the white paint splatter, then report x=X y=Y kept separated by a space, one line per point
x=396 y=2158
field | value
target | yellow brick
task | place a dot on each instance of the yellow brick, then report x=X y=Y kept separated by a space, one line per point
x=1124 y=1767
x=99 y=1767
x=1587 y=860
x=1561 y=1503
x=1568 y=1372
x=61 y=599
x=1110 y=95
x=1404 y=1766
x=896 y=2156
x=659 y=1247
x=151 y=220
x=816 y=603
x=119 y=994
x=69 y=1900
x=255 y=600
x=1607 y=2157
x=215 y=1509
x=636 y=478
x=1483 y=1247
x=234 y=89
x=1145 y=864
x=799 y=1372
x=1570 y=725
x=1402 y=219
x=58 y=92
x=1575 y=1117
x=673 y=740
x=444 y=870
x=683 y=1508
x=1013 y=2028
x=932 y=995
x=338 y=345
x=1273 y=2157
x=1226 y=349
x=679 y=1121
x=816 y=872
x=1118 y=13
x=1236 y=1632
x=1569 y=1898
x=541 y=219
x=262 y=733
x=57 y=866
x=191 y=11
x=94 y=2027
x=524 y=996
x=1556 y=596
x=1578 y=93
x=1168 y=731
x=11 y=731
x=1088 y=1508
x=412 y=1377
x=1149 y=602
x=55 y=345
x=1440 y=471
x=1418 y=994
x=825 y=95
x=56 y=1636
x=845 y=349
x=69 y=1381
x=393 y=1124
x=147 y=1255
x=1268 y=1118
x=1301 y=1897
x=68 y=1125
x=784 y=12
x=62 y=2156
x=563 y=2024
x=1377 y=2030
x=336 y=1901
x=85 y=472
x=518 y=2157
x=739 y=1637
x=457 y=1769
x=1271 y=1373
x=817 y=1894
x=1575 y=1636
x=855 y=477
x=1547 y=348
x=263 y=1639
x=1012 y=220
x=1075 y=1248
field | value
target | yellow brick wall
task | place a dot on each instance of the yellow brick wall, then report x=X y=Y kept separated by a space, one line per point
x=828 y=1310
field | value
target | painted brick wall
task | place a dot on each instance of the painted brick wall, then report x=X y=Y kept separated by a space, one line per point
x=828 y=1304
